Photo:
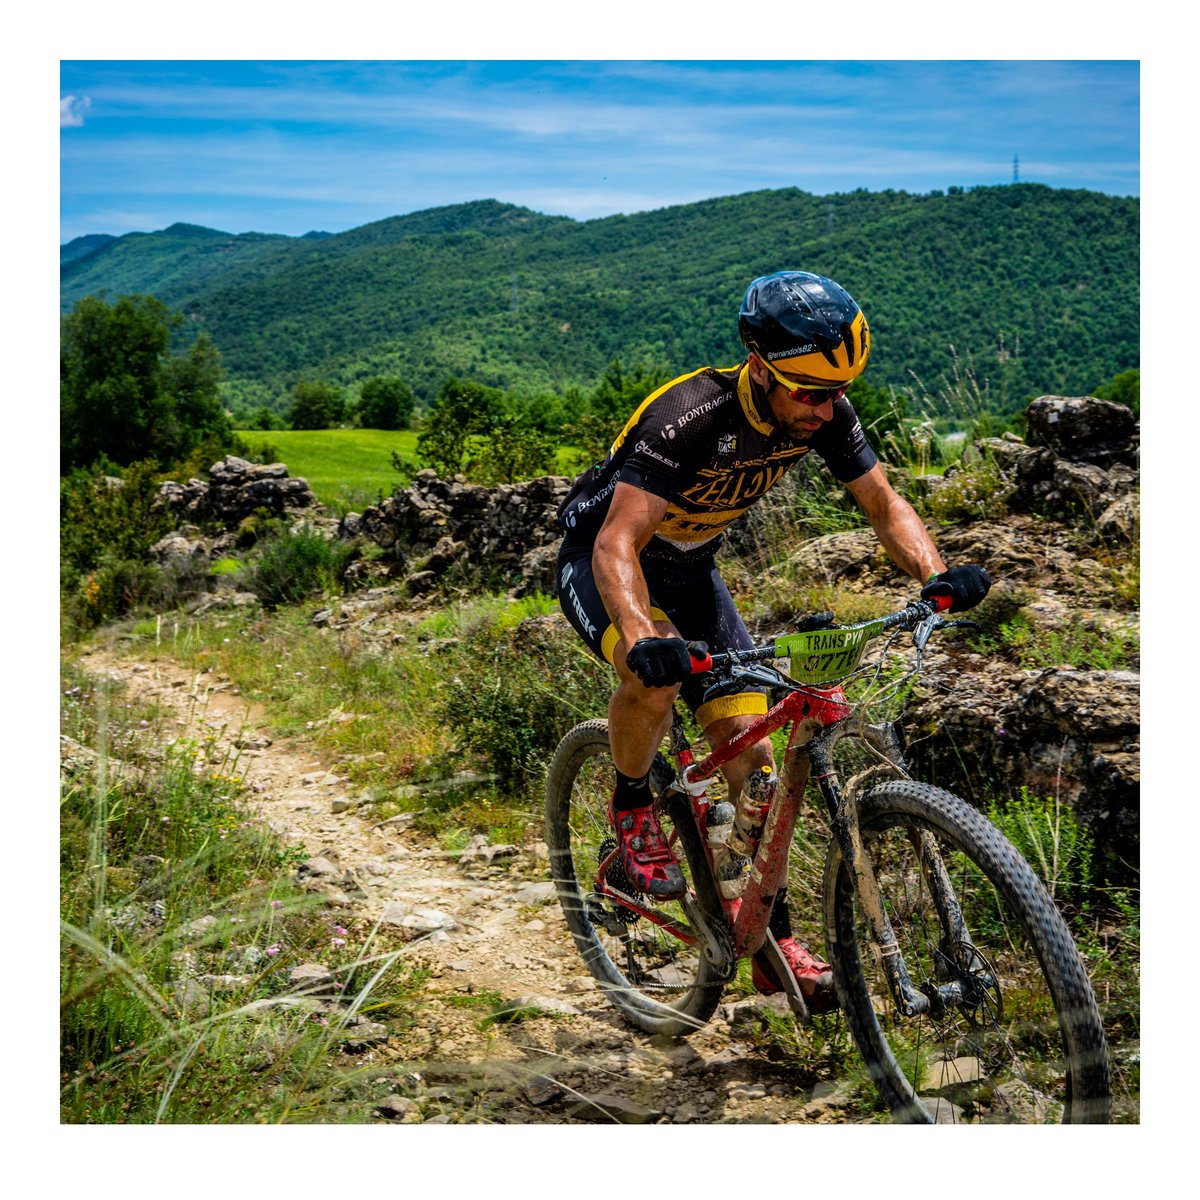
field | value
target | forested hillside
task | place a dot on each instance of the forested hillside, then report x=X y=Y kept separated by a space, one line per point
x=1039 y=287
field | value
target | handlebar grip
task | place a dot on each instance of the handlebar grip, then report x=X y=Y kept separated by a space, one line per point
x=941 y=603
x=700 y=664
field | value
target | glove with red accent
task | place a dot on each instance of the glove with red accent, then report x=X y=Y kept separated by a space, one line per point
x=663 y=662
x=966 y=586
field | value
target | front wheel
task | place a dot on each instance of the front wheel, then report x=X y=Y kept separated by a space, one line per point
x=1013 y=1034
x=660 y=982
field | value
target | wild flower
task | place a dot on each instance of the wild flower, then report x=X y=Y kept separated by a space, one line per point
x=338 y=941
x=274 y=950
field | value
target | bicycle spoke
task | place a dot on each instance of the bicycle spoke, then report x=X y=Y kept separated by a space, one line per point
x=659 y=979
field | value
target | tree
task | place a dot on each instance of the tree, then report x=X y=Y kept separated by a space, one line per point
x=480 y=432
x=124 y=395
x=385 y=403
x=1125 y=388
x=317 y=405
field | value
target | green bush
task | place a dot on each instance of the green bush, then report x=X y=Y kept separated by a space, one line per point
x=973 y=491
x=293 y=566
x=533 y=683
x=105 y=514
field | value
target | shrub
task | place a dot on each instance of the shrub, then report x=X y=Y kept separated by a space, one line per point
x=295 y=565
x=516 y=713
x=974 y=491
x=105 y=517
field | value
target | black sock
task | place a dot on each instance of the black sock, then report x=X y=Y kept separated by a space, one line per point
x=631 y=792
x=780 y=922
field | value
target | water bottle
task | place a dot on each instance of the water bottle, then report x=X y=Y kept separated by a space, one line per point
x=752 y=808
x=731 y=869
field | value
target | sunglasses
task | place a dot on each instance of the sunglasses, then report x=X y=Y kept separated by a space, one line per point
x=813 y=397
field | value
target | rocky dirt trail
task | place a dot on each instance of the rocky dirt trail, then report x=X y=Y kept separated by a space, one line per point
x=485 y=927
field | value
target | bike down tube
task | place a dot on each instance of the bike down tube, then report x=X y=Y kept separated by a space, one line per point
x=770 y=861
x=844 y=807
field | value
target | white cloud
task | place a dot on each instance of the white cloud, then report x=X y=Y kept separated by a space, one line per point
x=71 y=110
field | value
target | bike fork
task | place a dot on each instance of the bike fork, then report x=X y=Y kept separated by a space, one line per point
x=909 y=1000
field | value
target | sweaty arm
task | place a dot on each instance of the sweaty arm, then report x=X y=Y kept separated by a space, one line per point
x=899 y=530
x=633 y=516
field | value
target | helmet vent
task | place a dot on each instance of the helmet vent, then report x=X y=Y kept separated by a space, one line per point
x=848 y=342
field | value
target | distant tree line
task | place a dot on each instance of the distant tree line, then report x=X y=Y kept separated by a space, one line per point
x=128 y=395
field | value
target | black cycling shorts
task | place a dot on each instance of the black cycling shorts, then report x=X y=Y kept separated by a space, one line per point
x=692 y=596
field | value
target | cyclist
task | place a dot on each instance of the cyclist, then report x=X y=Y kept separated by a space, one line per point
x=636 y=573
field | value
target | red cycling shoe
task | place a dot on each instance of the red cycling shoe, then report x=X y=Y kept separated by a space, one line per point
x=644 y=854
x=814 y=976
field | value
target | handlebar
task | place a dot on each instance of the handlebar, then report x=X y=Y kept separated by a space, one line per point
x=908 y=617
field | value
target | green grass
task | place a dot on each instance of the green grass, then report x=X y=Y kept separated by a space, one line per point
x=350 y=468
x=346 y=467
x=168 y=882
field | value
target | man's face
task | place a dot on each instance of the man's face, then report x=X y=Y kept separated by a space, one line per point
x=790 y=403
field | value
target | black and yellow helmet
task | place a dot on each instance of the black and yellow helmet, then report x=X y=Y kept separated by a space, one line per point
x=806 y=326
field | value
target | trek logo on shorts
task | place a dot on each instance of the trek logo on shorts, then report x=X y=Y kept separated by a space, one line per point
x=576 y=604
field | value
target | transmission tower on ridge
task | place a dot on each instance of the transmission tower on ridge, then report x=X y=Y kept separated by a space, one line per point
x=1016 y=170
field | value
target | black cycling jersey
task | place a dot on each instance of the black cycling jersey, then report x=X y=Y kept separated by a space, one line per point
x=703 y=444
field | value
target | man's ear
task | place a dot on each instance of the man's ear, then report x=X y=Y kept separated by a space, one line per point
x=758 y=372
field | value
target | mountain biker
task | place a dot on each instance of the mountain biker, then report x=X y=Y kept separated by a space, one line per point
x=636 y=572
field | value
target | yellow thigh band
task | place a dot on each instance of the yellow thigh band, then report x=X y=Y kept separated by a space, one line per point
x=742 y=705
x=608 y=643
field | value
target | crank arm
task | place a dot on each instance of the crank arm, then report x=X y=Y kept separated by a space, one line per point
x=715 y=941
x=791 y=989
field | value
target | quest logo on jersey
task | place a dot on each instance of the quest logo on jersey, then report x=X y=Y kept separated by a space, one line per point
x=643 y=447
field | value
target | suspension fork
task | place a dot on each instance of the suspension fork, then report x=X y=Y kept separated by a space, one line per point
x=843 y=808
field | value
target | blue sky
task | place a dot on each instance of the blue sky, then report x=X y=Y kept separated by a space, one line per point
x=290 y=146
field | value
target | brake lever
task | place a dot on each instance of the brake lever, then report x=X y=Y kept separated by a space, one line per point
x=925 y=629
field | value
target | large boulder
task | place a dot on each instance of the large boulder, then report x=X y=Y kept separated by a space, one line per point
x=1059 y=732
x=1083 y=429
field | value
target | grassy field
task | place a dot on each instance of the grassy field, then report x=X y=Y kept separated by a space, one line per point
x=350 y=468
x=344 y=467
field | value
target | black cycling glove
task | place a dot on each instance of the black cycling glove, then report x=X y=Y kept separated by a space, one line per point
x=663 y=662
x=966 y=586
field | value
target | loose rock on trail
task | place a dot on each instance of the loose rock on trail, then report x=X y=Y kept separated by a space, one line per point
x=486 y=923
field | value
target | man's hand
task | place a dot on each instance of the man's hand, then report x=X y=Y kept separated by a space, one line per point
x=966 y=586
x=663 y=662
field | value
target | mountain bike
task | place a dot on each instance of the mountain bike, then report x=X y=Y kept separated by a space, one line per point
x=956 y=974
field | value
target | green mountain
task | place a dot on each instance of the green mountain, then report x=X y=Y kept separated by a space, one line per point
x=81 y=246
x=1038 y=287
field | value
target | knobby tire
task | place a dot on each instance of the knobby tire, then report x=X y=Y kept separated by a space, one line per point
x=1032 y=1049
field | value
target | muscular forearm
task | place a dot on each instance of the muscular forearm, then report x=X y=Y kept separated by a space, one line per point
x=905 y=538
x=622 y=587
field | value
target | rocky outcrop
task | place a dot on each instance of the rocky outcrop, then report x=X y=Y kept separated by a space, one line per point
x=1080 y=455
x=1059 y=732
x=441 y=530
x=236 y=489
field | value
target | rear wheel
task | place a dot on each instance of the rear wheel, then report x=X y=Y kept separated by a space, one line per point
x=659 y=981
x=1014 y=1034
